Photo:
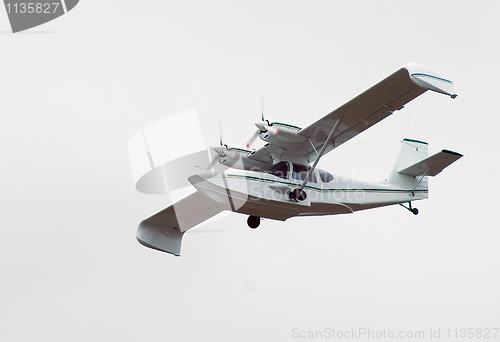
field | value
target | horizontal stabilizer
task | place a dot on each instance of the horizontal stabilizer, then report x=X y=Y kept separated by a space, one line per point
x=432 y=165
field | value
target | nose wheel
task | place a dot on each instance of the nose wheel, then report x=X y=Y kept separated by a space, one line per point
x=253 y=221
x=414 y=211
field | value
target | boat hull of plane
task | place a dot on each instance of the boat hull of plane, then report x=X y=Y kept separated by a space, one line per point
x=259 y=194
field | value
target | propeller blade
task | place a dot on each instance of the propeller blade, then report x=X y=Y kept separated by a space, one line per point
x=252 y=138
x=220 y=133
x=212 y=163
x=256 y=134
x=262 y=107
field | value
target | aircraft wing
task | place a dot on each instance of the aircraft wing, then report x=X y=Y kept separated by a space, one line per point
x=163 y=231
x=362 y=112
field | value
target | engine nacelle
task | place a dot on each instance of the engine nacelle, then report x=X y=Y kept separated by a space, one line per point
x=278 y=132
x=236 y=158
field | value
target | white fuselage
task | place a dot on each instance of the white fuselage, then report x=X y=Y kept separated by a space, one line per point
x=267 y=195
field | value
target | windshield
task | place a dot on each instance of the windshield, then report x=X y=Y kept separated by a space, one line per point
x=280 y=170
x=300 y=173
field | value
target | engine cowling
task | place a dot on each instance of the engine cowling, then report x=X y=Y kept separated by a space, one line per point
x=236 y=158
x=278 y=132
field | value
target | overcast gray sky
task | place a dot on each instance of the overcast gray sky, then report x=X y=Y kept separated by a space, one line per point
x=74 y=90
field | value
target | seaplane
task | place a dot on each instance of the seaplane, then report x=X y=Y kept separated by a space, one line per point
x=281 y=180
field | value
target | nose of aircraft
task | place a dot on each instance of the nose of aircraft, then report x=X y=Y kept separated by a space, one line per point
x=195 y=179
x=201 y=175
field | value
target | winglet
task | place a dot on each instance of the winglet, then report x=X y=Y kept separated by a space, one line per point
x=426 y=78
x=161 y=238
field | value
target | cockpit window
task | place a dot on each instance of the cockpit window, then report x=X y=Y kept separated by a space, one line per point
x=326 y=177
x=300 y=173
x=280 y=170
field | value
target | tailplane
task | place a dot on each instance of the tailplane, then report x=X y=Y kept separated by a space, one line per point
x=413 y=167
x=432 y=165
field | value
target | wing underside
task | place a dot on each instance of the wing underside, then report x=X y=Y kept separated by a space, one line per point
x=164 y=230
x=360 y=113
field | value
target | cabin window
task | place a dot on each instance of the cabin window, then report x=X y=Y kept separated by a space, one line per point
x=300 y=172
x=326 y=177
x=280 y=170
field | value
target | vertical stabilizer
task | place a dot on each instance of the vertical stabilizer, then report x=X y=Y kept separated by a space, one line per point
x=412 y=151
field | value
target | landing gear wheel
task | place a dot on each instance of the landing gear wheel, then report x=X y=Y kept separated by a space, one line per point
x=297 y=195
x=414 y=211
x=253 y=221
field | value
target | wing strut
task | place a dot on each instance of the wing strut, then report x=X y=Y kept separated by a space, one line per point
x=299 y=194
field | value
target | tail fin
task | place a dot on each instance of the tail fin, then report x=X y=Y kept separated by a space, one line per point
x=412 y=152
x=412 y=167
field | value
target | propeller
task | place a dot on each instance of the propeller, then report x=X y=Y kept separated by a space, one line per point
x=212 y=163
x=260 y=125
x=219 y=150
